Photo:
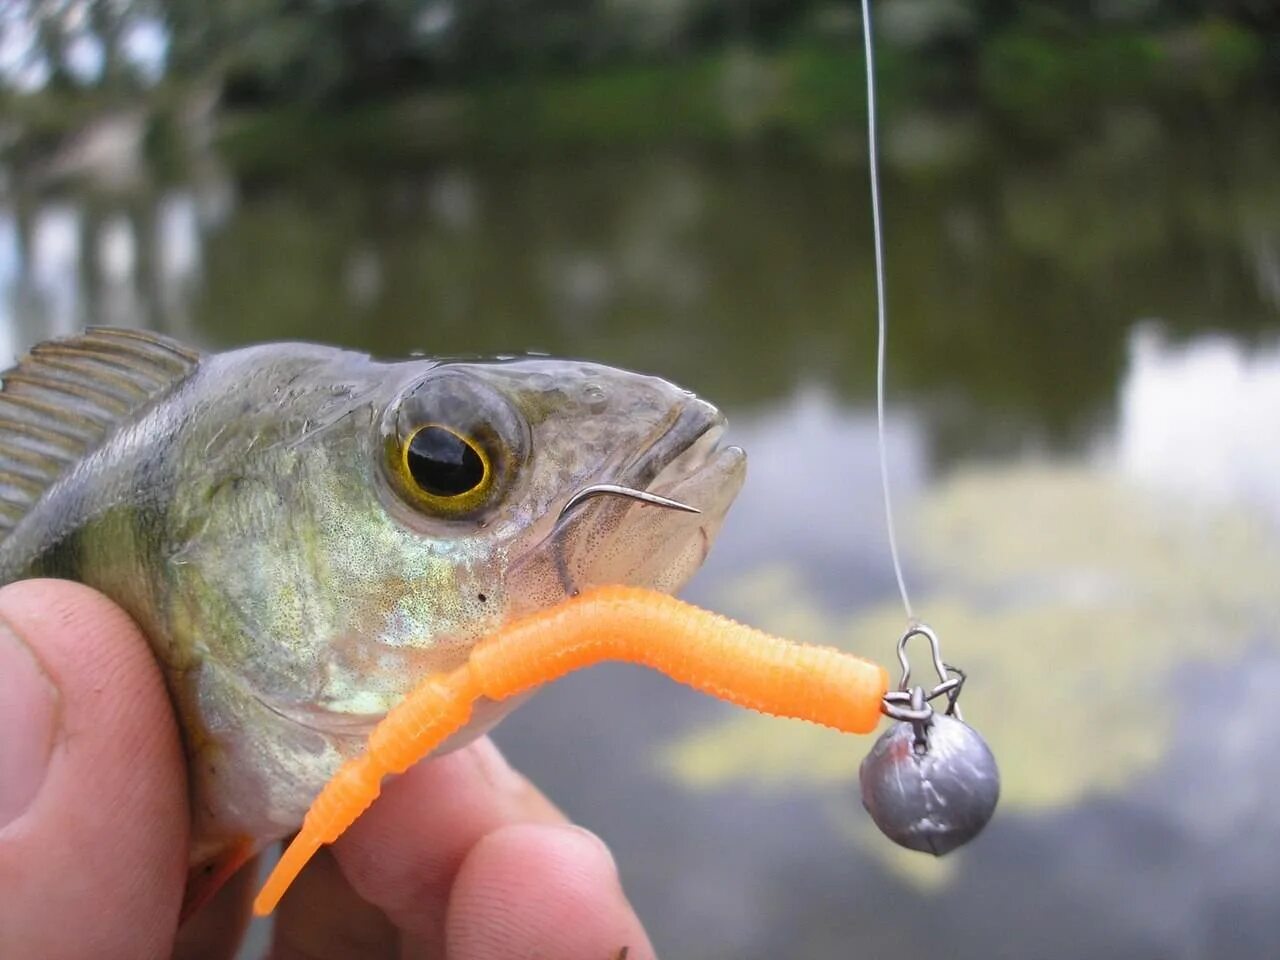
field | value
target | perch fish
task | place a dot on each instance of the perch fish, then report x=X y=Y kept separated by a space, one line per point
x=304 y=532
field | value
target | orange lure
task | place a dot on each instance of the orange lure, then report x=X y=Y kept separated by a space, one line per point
x=706 y=651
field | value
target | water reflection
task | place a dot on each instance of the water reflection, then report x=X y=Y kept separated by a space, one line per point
x=125 y=261
x=1013 y=282
x=1106 y=615
x=1194 y=419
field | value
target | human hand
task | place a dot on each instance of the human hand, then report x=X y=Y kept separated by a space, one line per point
x=461 y=857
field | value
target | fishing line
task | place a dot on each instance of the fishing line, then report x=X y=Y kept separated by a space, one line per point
x=930 y=782
x=881 y=323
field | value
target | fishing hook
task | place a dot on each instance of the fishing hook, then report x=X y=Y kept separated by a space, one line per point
x=605 y=490
x=614 y=489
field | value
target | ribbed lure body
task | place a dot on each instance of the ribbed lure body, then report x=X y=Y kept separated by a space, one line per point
x=703 y=650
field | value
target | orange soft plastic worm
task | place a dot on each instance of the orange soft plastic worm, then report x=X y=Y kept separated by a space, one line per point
x=704 y=650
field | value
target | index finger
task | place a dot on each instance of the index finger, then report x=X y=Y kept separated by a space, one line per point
x=405 y=852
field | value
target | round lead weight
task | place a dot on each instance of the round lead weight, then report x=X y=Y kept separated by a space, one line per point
x=932 y=800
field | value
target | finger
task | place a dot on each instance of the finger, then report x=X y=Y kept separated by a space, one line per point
x=93 y=810
x=215 y=930
x=322 y=918
x=404 y=853
x=542 y=891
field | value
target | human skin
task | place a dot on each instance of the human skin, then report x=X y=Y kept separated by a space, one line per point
x=462 y=858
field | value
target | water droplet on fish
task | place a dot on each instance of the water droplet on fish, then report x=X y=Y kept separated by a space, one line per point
x=595 y=396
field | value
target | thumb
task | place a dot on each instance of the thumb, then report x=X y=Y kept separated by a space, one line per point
x=93 y=809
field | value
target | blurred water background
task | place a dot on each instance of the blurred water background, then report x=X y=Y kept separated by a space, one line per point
x=1083 y=238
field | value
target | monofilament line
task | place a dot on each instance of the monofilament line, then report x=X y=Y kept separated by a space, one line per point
x=881 y=334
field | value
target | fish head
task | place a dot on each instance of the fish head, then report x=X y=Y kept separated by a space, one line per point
x=487 y=455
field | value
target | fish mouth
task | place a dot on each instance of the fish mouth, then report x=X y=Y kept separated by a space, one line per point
x=679 y=449
x=616 y=540
x=683 y=461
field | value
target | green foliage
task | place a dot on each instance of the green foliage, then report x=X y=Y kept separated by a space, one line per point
x=368 y=81
x=627 y=105
x=1046 y=82
x=322 y=51
x=819 y=87
x=1050 y=80
x=1234 y=55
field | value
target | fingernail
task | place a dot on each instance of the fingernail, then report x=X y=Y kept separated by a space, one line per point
x=595 y=841
x=521 y=799
x=28 y=705
x=493 y=766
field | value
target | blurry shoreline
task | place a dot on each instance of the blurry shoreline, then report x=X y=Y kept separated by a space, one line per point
x=1036 y=89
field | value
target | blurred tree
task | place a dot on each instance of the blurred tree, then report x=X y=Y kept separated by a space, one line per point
x=330 y=51
x=53 y=35
x=65 y=45
x=108 y=23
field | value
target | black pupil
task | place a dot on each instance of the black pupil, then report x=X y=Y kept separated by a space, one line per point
x=443 y=464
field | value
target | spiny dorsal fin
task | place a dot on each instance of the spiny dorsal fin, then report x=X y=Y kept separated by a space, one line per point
x=66 y=396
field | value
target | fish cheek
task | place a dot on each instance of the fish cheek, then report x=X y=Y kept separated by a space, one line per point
x=246 y=585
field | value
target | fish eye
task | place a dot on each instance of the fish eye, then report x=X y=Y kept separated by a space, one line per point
x=452 y=444
x=445 y=464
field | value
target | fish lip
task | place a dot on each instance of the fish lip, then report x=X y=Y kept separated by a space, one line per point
x=680 y=458
x=679 y=451
x=685 y=445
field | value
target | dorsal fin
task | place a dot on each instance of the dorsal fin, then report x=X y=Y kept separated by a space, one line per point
x=65 y=397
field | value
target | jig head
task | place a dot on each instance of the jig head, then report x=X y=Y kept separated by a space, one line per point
x=930 y=782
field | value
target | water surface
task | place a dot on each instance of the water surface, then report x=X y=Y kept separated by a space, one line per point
x=1085 y=391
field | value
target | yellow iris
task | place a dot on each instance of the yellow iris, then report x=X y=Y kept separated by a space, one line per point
x=444 y=471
